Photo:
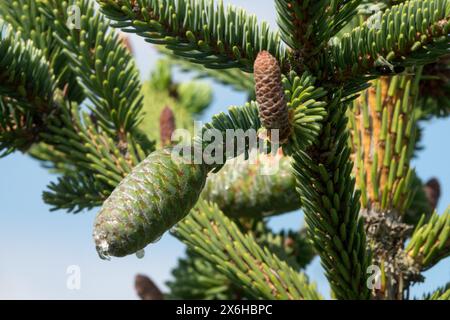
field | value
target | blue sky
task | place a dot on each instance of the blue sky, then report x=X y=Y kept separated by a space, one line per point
x=37 y=246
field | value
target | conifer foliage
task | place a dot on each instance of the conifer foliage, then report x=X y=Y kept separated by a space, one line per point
x=346 y=90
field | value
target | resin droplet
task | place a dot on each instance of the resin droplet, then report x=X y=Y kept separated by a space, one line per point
x=140 y=254
x=102 y=247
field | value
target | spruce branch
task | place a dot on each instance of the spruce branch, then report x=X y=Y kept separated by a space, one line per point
x=305 y=106
x=197 y=278
x=383 y=128
x=95 y=53
x=161 y=91
x=430 y=241
x=331 y=206
x=306 y=103
x=74 y=142
x=420 y=202
x=48 y=71
x=244 y=119
x=30 y=23
x=22 y=63
x=439 y=295
x=383 y=118
x=27 y=87
x=306 y=26
x=238 y=119
x=411 y=33
x=16 y=128
x=192 y=96
x=105 y=143
x=293 y=247
x=199 y=31
x=442 y=293
x=299 y=103
x=84 y=146
x=76 y=192
x=235 y=78
x=216 y=238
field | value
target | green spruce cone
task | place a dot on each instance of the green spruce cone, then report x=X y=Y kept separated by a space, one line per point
x=241 y=189
x=158 y=193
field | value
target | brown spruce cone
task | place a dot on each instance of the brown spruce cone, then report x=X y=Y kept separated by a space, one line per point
x=146 y=289
x=166 y=126
x=273 y=109
x=433 y=192
x=440 y=72
x=125 y=40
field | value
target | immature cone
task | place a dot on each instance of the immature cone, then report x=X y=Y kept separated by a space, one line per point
x=125 y=41
x=146 y=289
x=166 y=126
x=241 y=189
x=273 y=109
x=159 y=192
x=440 y=77
x=433 y=192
